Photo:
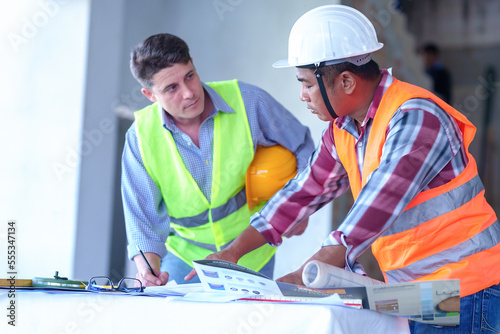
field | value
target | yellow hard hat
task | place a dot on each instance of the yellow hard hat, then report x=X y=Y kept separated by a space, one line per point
x=272 y=167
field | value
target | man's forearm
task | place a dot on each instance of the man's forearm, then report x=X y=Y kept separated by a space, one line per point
x=153 y=259
x=248 y=240
x=334 y=255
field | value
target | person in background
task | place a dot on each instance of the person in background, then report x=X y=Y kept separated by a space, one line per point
x=186 y=157
x=404 y=153
x=440 y=75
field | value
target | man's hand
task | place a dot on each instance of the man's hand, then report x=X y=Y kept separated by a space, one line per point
x=147 y=279
x=144 y=274
x=292 y=278
x=225 y=255
x=334 y=255
x=297 y=229
x=247 y=241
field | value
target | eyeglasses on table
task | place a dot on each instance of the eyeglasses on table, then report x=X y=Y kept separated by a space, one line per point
x=104 y=283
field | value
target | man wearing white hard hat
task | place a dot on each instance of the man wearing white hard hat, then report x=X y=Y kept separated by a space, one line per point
x=419 y=202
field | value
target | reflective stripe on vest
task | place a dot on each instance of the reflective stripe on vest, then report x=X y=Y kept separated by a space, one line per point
x=218 y=213
x=201 y=227
x=449 y=232
x=200 y=244
x=440 y=205
x=484 y=240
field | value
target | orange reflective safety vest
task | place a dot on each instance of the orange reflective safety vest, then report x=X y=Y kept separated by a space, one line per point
x=448 y=232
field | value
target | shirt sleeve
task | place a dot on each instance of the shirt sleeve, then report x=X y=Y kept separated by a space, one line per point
x=271 y=124
x=323 y=179
x=422 y=141
x=147 y=222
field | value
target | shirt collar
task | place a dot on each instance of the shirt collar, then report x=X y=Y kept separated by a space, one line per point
x=385 y=82
x=217 y=100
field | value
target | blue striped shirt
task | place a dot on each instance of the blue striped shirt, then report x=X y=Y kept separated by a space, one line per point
x=146 y=218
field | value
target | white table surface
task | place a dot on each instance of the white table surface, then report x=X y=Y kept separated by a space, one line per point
x=69 y=313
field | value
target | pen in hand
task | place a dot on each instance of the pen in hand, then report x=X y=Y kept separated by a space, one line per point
x=147 y=263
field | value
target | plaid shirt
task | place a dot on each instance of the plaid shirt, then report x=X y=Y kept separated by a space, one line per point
x=426 y=164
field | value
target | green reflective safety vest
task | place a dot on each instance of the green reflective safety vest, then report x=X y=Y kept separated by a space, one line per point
x=201 y=227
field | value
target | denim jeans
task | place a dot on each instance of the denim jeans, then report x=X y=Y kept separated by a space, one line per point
x=178 y=269
x=479 y=314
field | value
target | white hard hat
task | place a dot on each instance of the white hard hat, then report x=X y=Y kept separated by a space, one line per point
x=331 y=34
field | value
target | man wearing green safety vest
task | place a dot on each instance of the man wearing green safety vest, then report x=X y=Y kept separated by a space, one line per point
x=185 y=160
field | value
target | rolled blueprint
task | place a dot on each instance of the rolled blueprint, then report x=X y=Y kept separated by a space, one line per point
x=319 y=275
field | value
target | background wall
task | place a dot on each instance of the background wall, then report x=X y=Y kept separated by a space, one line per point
x=470 y=45
x=43 y=64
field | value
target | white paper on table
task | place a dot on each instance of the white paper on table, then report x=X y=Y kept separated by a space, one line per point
x=221 y=279
x=173 y=289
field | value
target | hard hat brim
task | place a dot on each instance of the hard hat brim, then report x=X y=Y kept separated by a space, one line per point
x=356 y=59
x=282 y=64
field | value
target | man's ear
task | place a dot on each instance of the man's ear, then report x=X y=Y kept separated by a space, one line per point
x=149 y=94
x=348 y=82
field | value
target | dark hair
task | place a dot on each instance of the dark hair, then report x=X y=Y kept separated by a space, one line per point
x=430 y=48
x=368 y=71
x=156 y=53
